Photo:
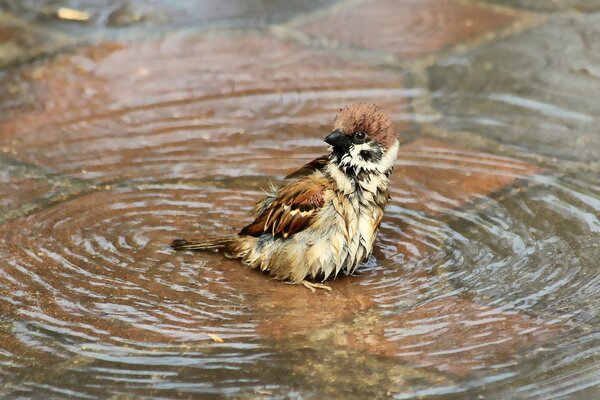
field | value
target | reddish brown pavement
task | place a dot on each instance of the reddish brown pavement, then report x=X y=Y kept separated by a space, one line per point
x=145 y=109
x=406 y=29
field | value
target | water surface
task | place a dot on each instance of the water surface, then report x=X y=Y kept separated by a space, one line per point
x=485 y=278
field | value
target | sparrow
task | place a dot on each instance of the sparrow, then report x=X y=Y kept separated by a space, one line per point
x=324 y=218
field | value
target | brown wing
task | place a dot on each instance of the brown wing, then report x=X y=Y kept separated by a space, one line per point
x=315 y=165
x=292 y=210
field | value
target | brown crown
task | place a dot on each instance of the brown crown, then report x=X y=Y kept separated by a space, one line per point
x=367 y=118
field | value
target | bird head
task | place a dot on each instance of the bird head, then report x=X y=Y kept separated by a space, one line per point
x=363 y=139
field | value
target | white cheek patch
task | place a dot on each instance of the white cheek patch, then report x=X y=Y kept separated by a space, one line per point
x=354 y=158
x=358 y=161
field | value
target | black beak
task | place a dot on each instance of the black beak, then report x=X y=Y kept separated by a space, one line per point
x=338 y=140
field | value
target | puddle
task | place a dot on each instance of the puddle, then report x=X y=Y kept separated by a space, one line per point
x=484 y=282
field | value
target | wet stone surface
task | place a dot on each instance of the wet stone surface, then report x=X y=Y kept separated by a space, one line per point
x=18 y=188
x=526 y=91
x=407 y=28
x=145 y=109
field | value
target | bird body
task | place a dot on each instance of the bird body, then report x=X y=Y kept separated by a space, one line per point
x=325 y=217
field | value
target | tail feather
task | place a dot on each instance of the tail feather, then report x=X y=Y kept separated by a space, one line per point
x=201 y=245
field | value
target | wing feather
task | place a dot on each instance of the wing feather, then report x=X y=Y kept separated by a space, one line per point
x=293 y=209
x=317 y=164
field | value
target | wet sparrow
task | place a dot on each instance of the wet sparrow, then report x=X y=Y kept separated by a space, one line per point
x=325 y=217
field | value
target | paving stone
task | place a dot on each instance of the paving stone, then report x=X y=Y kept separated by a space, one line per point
x=526 y=91
x=190 y=107
x=552 y=5
x=407 y=28
x=108 y=250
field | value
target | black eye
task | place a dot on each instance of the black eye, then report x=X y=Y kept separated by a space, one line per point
x=360 y=135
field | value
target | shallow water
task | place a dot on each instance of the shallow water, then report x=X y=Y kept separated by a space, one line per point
x=484 y=282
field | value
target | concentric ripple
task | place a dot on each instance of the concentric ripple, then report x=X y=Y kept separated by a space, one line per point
x=90 y=286
x=534 y=250
x=98 y=267
x=93 y=281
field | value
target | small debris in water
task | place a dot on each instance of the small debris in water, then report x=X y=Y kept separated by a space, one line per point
x=71 y=14
x=215 y=338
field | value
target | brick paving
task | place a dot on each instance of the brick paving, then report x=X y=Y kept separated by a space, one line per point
x=166 y=110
